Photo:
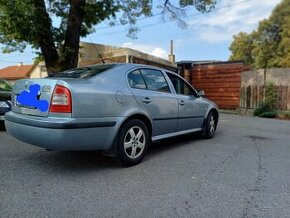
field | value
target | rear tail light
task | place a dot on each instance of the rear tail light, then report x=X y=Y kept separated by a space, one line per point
x=61 y=100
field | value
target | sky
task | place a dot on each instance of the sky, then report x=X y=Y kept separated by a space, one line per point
x=207 y=36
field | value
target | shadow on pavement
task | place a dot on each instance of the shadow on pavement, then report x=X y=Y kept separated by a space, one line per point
x=172 y=143
x=94 y=160
x=73 y=160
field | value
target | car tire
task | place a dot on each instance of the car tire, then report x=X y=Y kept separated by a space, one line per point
x=133 y=141
x=210 y=126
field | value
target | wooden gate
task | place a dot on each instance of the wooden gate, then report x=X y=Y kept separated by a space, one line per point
x=221 y=82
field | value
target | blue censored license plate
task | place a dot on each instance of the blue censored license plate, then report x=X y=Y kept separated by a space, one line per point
x=20 y=105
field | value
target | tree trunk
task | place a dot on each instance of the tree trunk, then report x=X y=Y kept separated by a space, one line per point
x=70 y=50
x=44 y=37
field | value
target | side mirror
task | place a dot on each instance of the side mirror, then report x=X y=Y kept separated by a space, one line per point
x=201 y=93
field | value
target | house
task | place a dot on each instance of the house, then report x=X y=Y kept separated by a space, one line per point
x=91 y=53
x=20 y=71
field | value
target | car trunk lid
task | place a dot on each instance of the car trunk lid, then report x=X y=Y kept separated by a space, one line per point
x=46 y=90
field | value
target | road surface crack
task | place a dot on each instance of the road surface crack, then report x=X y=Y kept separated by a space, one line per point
x=251 y=201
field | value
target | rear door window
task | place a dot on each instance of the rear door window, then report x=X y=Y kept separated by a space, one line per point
x=155 y=80
x=136 y=80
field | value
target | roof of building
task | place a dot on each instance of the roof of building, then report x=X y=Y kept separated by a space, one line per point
x=207 y=62
x=16 y=72
x=92 y=52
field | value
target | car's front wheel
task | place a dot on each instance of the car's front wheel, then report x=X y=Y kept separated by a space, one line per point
x=210 y=126
x=133 y=140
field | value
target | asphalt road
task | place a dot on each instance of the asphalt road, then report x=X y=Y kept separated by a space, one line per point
x=243 y=172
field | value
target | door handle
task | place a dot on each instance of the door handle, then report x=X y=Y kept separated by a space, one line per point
x=181 y=102
x=146 y=100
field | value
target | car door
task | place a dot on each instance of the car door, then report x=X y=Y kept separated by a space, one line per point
x=153 y=94
x=191 y=108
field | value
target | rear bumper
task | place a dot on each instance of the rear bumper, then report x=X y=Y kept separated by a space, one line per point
x=63 y=133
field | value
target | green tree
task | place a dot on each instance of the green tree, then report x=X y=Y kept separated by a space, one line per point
x=241 y=48
x=269 y=45
x=285 y=43
x=30 y=22
x=266 y=40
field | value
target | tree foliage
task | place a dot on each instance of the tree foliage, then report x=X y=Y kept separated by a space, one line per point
x=54 y=27
x=269 y=45
x=242 y=47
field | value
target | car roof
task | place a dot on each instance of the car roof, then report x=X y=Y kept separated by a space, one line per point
x=129 y=66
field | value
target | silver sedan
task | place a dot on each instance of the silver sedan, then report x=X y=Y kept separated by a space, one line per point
x=117 y=108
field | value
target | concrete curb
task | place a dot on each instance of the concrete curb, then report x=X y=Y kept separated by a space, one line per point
x=233 y=112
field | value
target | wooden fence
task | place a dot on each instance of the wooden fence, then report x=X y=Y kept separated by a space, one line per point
x=220 y=81
x=251 y=97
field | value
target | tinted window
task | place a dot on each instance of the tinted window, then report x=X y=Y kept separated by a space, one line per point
x=155 y=80
x=84 y=72
x=136 y=80
x=4 y=86
x=180 y=86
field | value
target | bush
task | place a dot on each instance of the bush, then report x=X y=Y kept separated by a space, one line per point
x=263 y=108
x=271 y=95
x=284 y=115
x=269 y=107
x=269 y=114
x=287 y=115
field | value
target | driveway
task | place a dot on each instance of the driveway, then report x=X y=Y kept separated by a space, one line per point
x=243 y=172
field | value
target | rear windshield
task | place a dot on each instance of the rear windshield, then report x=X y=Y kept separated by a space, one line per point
x=84 y=72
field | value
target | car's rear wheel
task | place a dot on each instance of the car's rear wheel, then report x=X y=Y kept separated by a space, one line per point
x=133 y=140
x=210 y=126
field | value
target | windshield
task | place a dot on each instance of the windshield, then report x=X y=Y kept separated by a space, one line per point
x=84 y=72
x=5 y=86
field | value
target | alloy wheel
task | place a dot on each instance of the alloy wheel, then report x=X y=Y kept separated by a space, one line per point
x=211 y=125
x=134 y=142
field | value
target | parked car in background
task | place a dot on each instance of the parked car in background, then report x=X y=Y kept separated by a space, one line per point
x=117 y=108
x=5 y=98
